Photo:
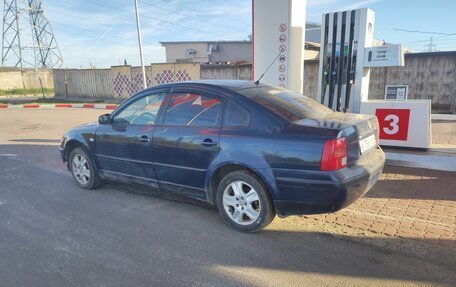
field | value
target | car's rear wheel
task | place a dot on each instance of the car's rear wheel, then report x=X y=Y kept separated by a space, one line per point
x=83 y=169
x=243 y=202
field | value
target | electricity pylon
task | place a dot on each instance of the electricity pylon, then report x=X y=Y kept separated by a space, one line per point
x=27 y=38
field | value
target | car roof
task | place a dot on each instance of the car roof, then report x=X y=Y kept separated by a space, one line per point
x=234 y=85
x=230 y=84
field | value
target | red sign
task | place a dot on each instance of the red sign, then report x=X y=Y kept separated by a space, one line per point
x=393 y=123
x=282 y=28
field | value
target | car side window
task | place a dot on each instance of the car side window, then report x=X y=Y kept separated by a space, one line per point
x=193 y=110
x=143 y=111
x=235 y=115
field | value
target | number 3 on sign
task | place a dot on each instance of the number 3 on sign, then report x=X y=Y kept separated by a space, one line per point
x=393 y=123
x=393 y=127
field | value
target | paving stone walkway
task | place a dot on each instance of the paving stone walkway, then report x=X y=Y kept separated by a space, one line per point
x=407 y=203
x=444 y=132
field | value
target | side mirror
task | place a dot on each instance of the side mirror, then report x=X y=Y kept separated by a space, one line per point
x=104 y=119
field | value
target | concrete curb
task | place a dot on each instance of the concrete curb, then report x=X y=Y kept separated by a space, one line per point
x=443 y=117
x=430 y=161
x=56 y=106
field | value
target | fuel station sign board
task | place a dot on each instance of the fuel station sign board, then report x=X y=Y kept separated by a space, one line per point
x=404 y=123
x=393 y=123
x=278 y=42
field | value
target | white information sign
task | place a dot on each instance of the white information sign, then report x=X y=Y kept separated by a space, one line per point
x=384 y=56
x=396 y=92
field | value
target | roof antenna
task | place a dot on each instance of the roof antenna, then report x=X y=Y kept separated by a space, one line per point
x=258 y=81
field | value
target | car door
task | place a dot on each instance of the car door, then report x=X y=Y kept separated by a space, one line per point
x=188 y=141
x=124 y=147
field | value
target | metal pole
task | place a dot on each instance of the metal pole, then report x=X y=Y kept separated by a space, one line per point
x=18 y=35
x=140 y=45
x=3 y=33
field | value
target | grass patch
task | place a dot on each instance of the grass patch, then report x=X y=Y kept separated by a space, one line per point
x=54 y=101
x=64 y=101
x=47 y=91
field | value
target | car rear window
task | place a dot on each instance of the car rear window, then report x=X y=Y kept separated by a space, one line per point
x=287 y=104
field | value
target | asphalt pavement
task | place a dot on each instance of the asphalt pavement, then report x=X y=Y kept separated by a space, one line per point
x=53 y=233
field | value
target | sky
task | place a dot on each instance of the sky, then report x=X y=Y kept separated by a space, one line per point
x=103 y=33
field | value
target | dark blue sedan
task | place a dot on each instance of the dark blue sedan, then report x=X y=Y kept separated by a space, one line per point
x=253 y=150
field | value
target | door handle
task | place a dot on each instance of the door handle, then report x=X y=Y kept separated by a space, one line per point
x=208 y=143
x=144 y=139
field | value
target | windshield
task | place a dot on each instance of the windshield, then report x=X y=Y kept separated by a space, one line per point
x=287 y=104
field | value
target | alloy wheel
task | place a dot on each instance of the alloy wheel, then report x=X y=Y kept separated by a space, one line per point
x=241 y=203
x=81 y=169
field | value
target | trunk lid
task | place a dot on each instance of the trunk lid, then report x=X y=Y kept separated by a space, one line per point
x=360 y=131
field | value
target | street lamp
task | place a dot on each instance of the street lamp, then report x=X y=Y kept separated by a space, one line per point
x=140 y=45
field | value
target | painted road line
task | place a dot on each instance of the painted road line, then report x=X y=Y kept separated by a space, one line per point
x=63 y=105
x=31 y=106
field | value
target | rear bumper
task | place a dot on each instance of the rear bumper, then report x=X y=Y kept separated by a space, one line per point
x=323 y=192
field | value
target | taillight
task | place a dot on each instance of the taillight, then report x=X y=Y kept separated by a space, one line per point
x=334 y=154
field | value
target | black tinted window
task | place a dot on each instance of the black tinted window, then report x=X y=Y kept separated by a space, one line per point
x=192 y=110
x=288 y=104
x=235 y=115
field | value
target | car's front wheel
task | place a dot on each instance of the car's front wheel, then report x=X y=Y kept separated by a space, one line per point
x=243 y=202
x=83 y=169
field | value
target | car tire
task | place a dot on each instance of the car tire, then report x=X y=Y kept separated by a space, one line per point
x=243 y=202
x=83 y=169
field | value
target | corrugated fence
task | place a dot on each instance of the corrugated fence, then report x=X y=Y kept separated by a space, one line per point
x=119 y=81
x=428 y=75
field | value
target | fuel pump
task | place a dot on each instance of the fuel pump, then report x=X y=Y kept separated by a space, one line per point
x=341 y=70
x=333 y=61
x=341 y=67
x=327 y=59
x=350 y=63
